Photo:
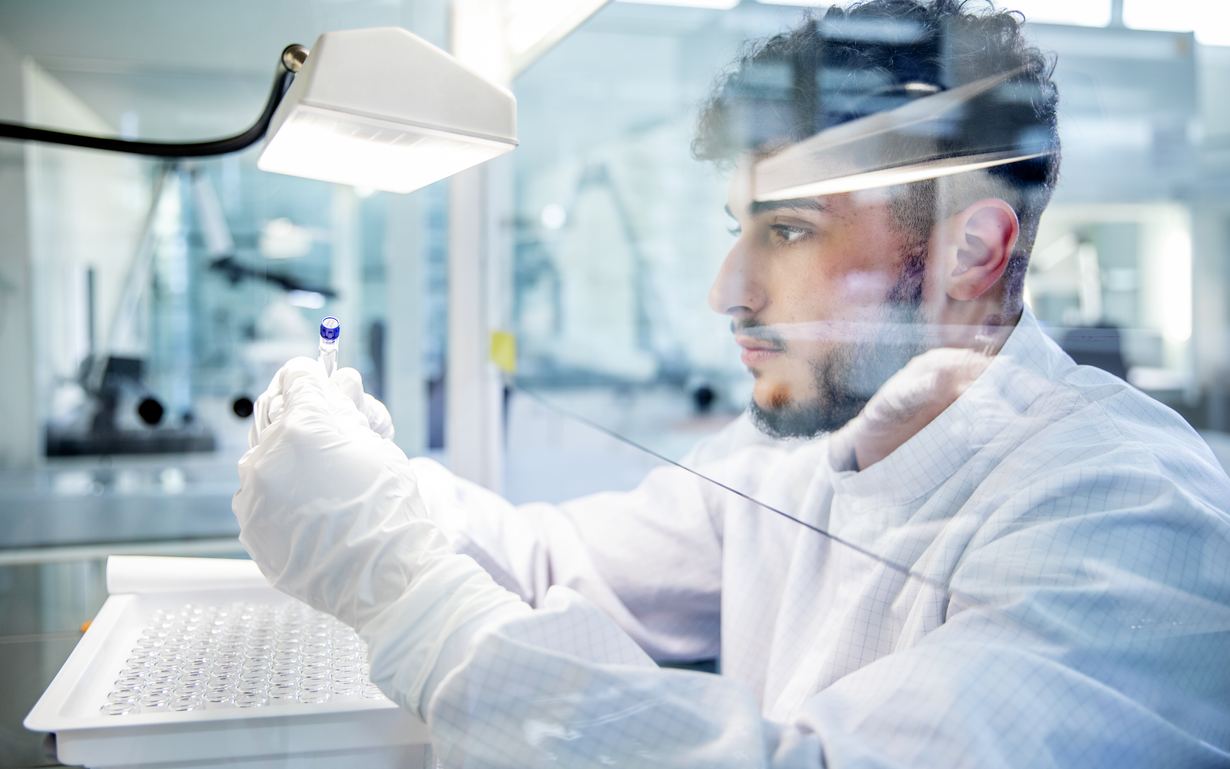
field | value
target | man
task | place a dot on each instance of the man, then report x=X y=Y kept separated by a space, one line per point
x=996 y=558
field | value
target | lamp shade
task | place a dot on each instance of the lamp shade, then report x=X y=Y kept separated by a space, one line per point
x=384 y=109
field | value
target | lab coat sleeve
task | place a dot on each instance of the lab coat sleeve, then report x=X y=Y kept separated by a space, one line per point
x=651 y=558
x=563 y=686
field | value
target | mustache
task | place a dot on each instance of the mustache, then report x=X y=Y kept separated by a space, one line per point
x=758 y=330
x=888 y=333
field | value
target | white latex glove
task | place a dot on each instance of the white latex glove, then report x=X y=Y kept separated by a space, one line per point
x=268 y=406
x=905 y=404
x=331 y=513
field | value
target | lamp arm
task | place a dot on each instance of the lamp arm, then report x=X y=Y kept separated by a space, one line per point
x=290 y=62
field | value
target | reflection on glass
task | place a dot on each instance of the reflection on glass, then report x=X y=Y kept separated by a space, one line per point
x=931 y=532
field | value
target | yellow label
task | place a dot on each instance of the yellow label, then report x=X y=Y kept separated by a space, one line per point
x=504 y=351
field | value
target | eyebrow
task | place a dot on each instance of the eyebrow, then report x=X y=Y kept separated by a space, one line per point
x=795 y=204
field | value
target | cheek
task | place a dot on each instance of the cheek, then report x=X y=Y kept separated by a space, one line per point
x=861 y=288
x=843 y=295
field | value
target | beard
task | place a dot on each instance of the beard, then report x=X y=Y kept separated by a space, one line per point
x=850 y=373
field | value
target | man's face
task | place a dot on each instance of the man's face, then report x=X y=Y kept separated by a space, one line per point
x=823 y=294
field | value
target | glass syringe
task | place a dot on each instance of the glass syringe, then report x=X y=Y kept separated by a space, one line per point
x=330 y=330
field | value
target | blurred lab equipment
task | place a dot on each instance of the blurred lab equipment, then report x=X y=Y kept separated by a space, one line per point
x=112 y=380
x=236 y=271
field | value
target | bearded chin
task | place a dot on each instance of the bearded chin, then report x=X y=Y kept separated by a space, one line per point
x=831 y=407
x=846 y=378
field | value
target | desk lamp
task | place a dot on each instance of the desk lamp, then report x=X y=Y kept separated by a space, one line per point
x=377 y=108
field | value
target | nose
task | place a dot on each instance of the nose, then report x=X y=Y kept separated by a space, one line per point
x=737 y=290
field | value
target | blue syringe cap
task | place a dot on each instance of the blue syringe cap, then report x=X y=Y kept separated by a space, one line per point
x=330 y=328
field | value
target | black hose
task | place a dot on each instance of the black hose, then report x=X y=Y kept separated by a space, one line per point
x=225 y=146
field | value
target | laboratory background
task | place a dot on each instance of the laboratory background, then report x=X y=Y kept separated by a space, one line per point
x=545 y=332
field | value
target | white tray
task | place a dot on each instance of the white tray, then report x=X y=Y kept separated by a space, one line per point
x=349 y=731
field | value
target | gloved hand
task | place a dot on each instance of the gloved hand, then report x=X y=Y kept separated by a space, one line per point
x=331 y=513
x=268 y=406
x=327 y=507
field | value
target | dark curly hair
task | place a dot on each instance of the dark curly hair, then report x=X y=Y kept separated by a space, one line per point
x=877 y=55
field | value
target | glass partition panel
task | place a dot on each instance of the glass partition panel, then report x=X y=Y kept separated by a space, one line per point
x=621 y=230
x=911 y=371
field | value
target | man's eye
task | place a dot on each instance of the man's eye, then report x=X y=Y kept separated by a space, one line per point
x=789 y=233
x=734 y=229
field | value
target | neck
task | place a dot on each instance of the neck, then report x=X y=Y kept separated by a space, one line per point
x=982 y=326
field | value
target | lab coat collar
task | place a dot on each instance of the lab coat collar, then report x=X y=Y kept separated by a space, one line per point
x=1025 y=367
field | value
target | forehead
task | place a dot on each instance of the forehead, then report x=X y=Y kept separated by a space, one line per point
x=740 y=197
x=866 y=214
x=759 y=174
x=740 y=203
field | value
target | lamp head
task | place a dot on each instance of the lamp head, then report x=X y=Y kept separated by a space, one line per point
x=384 y=109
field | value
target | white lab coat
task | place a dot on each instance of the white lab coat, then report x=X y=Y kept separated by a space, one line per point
x=1071 y=604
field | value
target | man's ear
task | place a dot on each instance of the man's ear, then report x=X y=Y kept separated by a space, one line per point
x=979 y=244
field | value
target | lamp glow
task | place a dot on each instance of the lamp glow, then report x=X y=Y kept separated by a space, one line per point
x=365 y=152
x=385 y=110
x=898 y=146
x=888 y=177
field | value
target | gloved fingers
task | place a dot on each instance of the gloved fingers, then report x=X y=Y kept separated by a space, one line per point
x=270 y=404
x=297 y=368
x=306 y=387
x=378 y=417
x=261 y=417
x=274 y=408
x=349 y=382
x=306 y=391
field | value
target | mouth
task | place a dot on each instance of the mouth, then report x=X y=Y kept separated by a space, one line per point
x=757 y=351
